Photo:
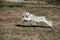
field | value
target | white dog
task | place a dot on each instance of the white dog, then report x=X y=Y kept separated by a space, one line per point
x=30 y=17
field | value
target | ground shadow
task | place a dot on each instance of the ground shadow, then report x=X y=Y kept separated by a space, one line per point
x=18 y=25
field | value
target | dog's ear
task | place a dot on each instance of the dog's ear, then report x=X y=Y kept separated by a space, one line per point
x=24 y=12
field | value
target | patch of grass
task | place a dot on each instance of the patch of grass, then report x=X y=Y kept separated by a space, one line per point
x=58 y=2
x=9 y=4
x=14 y=38
x=2 y=38
x=2 y=31
x=31 y=33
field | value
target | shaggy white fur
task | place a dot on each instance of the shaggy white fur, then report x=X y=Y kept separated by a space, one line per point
x=30 y=17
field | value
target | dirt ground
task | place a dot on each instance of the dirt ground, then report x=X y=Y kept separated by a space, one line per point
x=11 y=29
